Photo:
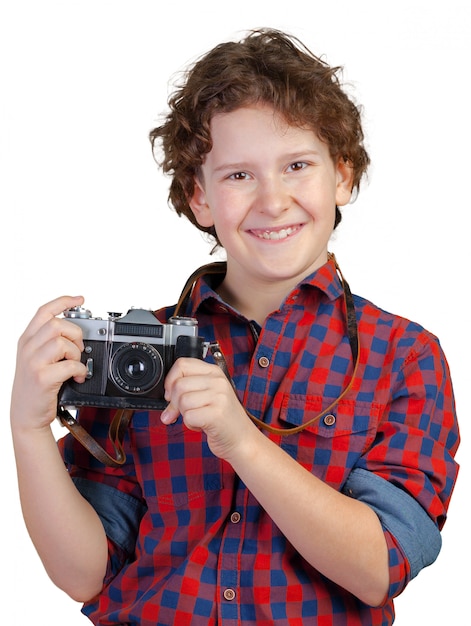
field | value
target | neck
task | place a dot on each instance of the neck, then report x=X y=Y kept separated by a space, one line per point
x=255 y=302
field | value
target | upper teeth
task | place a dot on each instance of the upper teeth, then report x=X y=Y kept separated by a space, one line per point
x=277 y=234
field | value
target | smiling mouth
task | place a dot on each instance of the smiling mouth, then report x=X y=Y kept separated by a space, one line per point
x=274 y=235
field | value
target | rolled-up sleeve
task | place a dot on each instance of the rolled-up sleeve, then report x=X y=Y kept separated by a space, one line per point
x=114 y=493
x=407 y=476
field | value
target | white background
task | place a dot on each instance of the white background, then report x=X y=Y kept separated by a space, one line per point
x=84 y=209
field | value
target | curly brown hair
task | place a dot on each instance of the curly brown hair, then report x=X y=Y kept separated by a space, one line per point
x=267 y=66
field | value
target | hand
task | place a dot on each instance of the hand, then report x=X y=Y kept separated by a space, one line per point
x=202 y=394
x=48 y=354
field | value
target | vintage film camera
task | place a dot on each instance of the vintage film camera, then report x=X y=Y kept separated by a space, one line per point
x=127 y=358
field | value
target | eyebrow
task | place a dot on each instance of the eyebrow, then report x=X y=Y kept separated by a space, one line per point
x=230 y=166
x=290 y=157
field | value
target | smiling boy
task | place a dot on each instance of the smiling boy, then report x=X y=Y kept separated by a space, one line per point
x=270 y=190
x=302 y=474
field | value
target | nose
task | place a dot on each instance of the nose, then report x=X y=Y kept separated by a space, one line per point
x=272 y=196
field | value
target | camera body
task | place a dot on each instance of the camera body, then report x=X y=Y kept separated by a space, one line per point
x=127 y=358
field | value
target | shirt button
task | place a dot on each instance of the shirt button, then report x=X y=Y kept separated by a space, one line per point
x=263 y=361
x=229 y=594
x=235 y=517
x=329 y=420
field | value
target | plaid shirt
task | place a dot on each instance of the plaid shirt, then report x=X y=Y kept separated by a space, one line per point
x=188 y=542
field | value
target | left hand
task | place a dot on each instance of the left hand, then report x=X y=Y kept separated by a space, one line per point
x=201 y=393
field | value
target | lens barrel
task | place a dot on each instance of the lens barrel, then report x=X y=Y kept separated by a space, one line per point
x=136 y=367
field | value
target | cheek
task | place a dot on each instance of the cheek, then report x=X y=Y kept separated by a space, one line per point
x=325 y=220
x=224 y=225
x=229 y=209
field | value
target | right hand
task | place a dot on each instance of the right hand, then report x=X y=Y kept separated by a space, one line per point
x=48 y=354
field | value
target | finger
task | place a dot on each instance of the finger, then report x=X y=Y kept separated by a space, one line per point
x=57 y=350
x=43 y=373
x=61 y=348
x=169 y=415
x=50 y=310
x=57 y=339
x=56 y=374
x=186 y=367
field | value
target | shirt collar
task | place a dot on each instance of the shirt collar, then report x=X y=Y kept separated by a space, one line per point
x=325 y=279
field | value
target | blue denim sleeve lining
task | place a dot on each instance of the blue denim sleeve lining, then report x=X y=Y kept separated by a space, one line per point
x=120 y=513
x=399 y=513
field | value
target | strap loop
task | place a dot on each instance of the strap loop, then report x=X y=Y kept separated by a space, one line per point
x=116 y=432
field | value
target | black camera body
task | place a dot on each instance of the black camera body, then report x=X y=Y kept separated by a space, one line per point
x=127 y=358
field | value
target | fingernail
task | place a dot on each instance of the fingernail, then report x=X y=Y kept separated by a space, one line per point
x=167 y=417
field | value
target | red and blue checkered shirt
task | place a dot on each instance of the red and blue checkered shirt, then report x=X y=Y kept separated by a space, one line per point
x=189 y=544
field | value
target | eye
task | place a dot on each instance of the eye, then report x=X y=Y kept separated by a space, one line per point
x=297 y=166
x=239 y=176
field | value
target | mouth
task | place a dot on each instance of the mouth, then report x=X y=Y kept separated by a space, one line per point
x=276 y=234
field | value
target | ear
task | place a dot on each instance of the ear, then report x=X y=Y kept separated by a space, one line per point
x=343 y=192
x=199 y=205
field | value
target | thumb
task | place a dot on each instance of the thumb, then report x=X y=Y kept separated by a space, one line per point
x=169 y=415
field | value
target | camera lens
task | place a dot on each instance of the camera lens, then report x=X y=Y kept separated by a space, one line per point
x=136 y=367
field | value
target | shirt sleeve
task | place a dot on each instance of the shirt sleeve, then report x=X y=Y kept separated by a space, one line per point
x=114 y=493
x=415 y=532
x=408 y=474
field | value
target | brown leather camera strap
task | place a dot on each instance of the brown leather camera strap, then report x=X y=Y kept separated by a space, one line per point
x=215 y=349
x=218 y=267
x=353 y=337
x=122 y=417
x=118 y=427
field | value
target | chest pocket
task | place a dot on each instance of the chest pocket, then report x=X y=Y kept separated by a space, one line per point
x=175 y=465
x=331 y=446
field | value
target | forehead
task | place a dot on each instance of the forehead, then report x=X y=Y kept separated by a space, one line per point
x=254 y=114
x=259 y=130
x=259 y=119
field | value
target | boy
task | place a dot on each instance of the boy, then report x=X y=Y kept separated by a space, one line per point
x=302 y=472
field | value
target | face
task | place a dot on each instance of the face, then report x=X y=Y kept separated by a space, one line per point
x=270 y=190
